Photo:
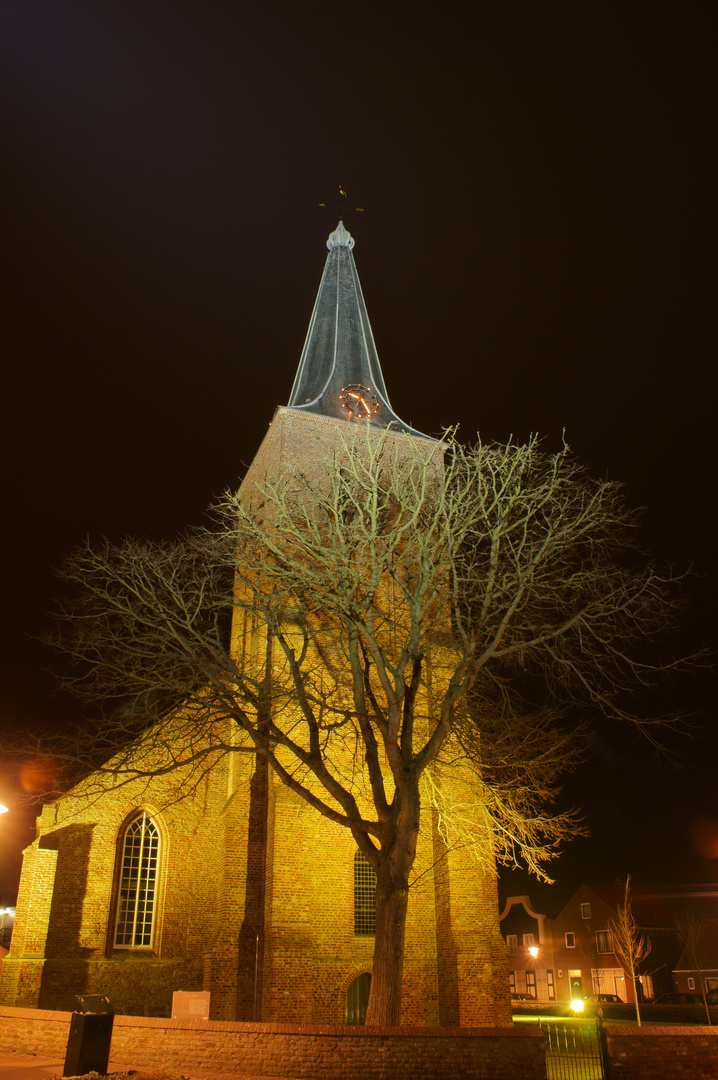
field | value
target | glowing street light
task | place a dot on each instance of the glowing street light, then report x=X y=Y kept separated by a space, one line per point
x=533 y=950
x=3 y=809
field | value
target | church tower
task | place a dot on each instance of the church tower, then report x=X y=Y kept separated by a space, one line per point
x=455 y=968
x=246 y=891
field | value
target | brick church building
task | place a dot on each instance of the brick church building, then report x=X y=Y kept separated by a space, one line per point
x=242 y=889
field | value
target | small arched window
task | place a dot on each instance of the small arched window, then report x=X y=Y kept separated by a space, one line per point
x=357 y=1000
x=136 y=902
x=364 y=895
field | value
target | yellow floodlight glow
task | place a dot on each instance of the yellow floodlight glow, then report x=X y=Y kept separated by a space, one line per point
x=3 y=809
x=577 y=1005
x=533 y=949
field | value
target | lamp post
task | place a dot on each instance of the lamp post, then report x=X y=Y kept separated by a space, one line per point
x=533 y=951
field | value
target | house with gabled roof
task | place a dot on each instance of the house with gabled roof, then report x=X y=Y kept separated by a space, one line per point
x=576 y=955
x=696 y=969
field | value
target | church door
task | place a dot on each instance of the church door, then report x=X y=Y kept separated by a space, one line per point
x=357 y=1000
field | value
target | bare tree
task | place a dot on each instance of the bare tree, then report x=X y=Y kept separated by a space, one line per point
x=692 y=932
x=630 y=946
x=409 y=625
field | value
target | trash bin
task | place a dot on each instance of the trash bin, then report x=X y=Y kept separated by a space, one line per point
x=88 y=1044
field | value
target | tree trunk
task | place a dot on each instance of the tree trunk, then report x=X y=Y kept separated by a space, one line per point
x=392 y=898
x=705 y=998
x=635 y=997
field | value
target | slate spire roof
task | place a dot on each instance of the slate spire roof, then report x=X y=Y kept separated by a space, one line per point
x=339 y=374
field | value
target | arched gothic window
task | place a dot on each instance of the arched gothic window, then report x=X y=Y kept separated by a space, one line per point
x=136 y=902
x=364 y=895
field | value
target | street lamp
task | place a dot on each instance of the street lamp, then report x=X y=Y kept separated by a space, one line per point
x=3 y=809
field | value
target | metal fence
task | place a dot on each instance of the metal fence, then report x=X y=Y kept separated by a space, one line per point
x=574 y=1049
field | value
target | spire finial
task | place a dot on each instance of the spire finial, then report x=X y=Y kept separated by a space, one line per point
x=341 y=208
x=340 y=238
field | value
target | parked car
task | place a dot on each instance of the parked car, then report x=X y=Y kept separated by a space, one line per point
x=592 y=1003
x=679 y=999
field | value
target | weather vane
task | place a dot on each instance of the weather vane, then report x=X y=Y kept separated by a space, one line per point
x=341 y=204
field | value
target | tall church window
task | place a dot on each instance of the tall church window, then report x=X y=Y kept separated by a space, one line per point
x=136 y=903
x=364 y=895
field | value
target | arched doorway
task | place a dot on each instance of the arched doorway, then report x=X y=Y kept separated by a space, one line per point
x=357 y=1000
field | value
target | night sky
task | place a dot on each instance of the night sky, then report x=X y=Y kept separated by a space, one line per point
x=537 y=252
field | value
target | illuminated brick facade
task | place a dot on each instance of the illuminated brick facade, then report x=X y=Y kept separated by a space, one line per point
x=254 y=893
x=245 y=857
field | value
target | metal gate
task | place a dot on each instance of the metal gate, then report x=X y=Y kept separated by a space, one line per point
x=574 y=1049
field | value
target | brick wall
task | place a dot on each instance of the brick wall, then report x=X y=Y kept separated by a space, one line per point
x=305 y=1051
x=34 y=1031
x=299 y=1051
x=671 y=1053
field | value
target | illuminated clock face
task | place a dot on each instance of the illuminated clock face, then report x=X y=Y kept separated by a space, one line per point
x=359 y=401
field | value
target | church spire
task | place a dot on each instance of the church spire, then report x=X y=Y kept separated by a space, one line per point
x=339 y=374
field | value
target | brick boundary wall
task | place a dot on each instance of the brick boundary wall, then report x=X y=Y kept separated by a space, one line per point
x=33 y=1031
x=302 y=1051
x=668 y=1053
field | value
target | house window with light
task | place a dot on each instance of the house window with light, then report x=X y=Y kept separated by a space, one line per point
x=604 y=941
x=137 y=893
x=529 y=941
x=513 y=943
